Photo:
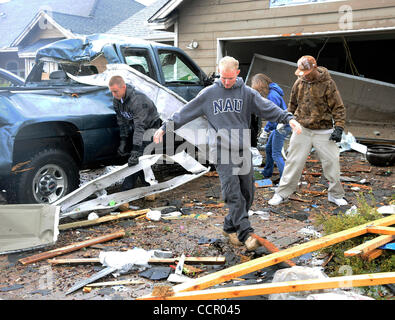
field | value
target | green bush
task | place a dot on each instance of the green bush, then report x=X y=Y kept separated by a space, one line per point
x=332 y=224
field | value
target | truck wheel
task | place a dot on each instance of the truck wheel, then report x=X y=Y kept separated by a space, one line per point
x=54 y=174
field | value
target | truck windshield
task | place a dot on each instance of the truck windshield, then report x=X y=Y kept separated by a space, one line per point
x=175 y=69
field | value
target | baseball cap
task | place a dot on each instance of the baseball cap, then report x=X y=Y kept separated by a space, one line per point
x=306 y=64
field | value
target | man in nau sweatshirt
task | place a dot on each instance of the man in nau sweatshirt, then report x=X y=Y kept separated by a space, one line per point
x=228 y=105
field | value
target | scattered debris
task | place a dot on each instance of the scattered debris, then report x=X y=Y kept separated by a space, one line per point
x=156 y=273
x=193 y=289
x=70 y=248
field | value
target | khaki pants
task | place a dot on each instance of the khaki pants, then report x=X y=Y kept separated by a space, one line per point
x=299 y=149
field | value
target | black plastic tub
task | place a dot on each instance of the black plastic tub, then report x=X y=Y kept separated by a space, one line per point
x=381 y=155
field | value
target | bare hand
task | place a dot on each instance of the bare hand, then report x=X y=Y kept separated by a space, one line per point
x=295 y=125
x=158 y=136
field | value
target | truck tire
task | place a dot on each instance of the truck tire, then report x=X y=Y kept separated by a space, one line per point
x=54 y=174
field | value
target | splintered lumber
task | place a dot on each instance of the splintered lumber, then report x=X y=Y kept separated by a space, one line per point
x=277 y=257
x=115 y=283
x=369 y=245
x=313 y=192
x=190 y=260
x=70 y=248
x=123 y=215
x=272 y=248
x=371 y=255
x=281 y=287
x=382 y=230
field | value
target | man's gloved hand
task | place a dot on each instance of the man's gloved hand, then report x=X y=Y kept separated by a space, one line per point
x=134 y=156
x=264 y=136
x=336 y=134
x=122 y=148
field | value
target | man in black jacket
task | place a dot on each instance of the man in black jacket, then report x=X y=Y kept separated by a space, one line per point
x=135 y=113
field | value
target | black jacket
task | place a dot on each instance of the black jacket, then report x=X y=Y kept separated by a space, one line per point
x=136 y=114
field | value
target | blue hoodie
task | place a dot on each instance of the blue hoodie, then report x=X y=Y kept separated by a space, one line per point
x=276 y=95
x=228 y=112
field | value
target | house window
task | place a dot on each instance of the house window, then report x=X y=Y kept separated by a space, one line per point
x=284 y=3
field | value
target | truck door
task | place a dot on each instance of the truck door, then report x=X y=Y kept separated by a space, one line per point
x=180 y=74
x=140 y=59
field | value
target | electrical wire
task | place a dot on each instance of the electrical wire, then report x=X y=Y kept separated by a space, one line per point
x=319 y=52
x=353 y=68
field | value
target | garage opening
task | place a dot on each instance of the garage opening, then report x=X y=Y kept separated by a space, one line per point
x=366 y=55
x=362 y=65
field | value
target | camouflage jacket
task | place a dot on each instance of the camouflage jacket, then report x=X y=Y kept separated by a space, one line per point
x=317 y=104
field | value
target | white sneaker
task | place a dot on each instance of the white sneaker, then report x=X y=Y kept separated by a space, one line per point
x=276 y=200
x=339 y=202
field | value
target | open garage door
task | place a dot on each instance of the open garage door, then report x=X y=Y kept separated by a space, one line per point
x=359 y=63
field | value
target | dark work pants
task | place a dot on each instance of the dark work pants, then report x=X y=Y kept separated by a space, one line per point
x=238 y=194
x=130 y=181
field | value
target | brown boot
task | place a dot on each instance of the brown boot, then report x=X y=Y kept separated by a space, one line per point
x=251 y=243
x=232 y=238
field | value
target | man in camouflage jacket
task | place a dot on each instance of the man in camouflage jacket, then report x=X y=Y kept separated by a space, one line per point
x=318 y=107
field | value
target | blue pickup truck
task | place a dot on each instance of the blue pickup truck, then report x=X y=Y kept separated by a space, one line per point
x=52 y=126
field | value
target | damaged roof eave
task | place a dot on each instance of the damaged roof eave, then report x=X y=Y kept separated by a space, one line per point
x=163 y=24
x=166 y=10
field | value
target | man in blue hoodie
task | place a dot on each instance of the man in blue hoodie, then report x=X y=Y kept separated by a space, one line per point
x=227 y=105
x=271 y=91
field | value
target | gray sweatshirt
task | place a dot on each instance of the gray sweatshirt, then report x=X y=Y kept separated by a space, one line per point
x=228 y=112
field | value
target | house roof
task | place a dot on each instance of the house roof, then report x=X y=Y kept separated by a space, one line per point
x=165 y=11
x=80 y=17
x=137 y=25
x=16 y=14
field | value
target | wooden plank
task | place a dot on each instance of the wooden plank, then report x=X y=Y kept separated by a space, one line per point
x=74 y=261
x=372 y=279
x=277 y=257
x=272 y=248
x=123 y=215
x=115 y=283
x=190 y=260
x=369 y=245
x=70 y=248
x=371 y=255
x=382 y=230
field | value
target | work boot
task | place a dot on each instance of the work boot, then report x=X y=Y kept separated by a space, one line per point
x=232 y=238
x=252 y=243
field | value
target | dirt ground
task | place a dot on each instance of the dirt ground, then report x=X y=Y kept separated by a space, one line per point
x=196 y=233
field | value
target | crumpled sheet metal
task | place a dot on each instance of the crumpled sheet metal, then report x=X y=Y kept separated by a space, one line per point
x=71 y=207
x=167 y=102
x=27 y=226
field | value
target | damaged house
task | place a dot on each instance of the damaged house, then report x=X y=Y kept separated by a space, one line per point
x=347 y=37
